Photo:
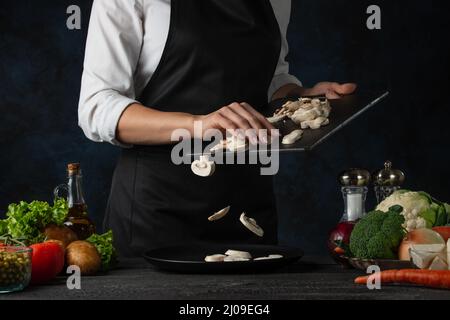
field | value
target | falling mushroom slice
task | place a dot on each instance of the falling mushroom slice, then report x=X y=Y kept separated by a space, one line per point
x=216 y=258
x=235 y=259
x=276 y=256
x=239 y=254
x=220 y=214
x=271 y=257
x=251 y=225
x=203 y=167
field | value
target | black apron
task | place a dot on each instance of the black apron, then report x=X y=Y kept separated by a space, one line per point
x=217 y=52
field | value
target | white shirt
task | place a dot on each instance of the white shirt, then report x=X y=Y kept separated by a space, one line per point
x=125 y=44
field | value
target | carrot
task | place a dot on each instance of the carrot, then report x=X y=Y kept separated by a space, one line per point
x=426 y=278
x=339 y=250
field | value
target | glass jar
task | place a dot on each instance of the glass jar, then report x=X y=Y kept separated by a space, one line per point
x=354 y=189
x=15 y=268
x=77 y=219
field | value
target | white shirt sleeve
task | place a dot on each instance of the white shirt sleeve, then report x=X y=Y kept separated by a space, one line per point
x=282 y=77
x=112 y=53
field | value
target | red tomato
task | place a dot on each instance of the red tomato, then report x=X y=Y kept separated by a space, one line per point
x=47 y=262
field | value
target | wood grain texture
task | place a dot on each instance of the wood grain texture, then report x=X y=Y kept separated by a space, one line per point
x=313 y=279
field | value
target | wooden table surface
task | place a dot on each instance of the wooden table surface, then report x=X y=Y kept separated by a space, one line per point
x=312 y=278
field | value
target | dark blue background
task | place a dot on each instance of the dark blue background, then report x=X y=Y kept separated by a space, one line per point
x=41 y=65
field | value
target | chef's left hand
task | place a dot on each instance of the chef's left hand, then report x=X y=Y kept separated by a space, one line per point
x=332 y=90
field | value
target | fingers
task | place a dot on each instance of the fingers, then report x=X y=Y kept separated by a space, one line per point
x=242 y=123
x=267 y=125
x=246 y=121
x=225 y=123
x=343 y=89
x=331 y=94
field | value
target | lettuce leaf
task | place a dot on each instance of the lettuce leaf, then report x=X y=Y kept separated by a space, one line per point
x=27 y=220
x=105 y=247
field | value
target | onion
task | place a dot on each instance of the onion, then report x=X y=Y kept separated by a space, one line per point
x=341 y=233
x=418 y=236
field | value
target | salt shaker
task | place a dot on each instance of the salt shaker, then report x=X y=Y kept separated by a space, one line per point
x=354 y=186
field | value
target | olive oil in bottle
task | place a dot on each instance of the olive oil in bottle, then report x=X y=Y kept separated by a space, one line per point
x=77 y=218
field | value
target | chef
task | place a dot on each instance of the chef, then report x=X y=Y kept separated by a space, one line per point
x=155 y=66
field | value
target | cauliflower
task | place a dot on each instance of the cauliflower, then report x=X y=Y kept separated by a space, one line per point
x=419 y=209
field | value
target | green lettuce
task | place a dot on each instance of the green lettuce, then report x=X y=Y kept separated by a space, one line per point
x=26 y=221
x=105 y=247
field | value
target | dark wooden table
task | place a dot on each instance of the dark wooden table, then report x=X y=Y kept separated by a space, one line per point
x=313 y=278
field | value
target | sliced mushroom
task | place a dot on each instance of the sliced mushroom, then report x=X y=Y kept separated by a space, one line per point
x=216 y=258
x=276 y=256
x=293 y=106
x=239 y=254
x=220 y=214
x=251 y=225
x=236 y=144
x=305 y=100
x=306 y=106
x=304 y=115
x=316 y=123
x=220 y=146
x=203 y=167
x=316 y=103
x=292 y=137
x=276 y=118
x=235 y=259
x=270 y=257
x=286 y=105
x=233 y=144
x=326 y=110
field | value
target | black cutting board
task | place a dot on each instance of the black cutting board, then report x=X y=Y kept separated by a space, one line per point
x=190 y=258
x=344 y=111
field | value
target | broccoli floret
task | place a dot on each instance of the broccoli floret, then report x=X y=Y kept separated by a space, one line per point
x=379 y=247
x=378 y=235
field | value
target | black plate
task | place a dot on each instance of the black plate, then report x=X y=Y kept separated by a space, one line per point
x=344 y=111
x=190 y=259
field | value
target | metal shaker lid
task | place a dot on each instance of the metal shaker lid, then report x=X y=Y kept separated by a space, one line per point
x=389 y=176
x=354 y=178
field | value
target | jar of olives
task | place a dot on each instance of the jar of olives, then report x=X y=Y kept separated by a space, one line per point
x=15 y=268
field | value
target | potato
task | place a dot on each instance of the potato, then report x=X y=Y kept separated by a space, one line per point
x=63 y=234
x=84 y=255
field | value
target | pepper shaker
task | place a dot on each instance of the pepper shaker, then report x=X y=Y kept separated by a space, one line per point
x=387 y=180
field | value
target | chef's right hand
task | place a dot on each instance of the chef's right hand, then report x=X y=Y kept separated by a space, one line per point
x=238 y=119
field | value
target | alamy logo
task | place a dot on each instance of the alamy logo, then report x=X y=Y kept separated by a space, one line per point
x=374 y=20
x=374 y=280
x=74 y=279
x=74 y=19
